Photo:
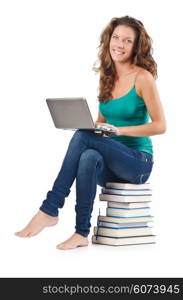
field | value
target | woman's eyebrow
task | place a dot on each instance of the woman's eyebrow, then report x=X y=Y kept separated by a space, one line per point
x=128 y=37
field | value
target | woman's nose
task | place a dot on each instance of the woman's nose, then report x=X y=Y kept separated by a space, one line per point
x=120 y=44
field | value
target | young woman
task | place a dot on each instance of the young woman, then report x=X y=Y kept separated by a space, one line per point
x=127 y=97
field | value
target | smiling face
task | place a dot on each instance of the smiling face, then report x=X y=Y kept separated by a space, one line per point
x=122 y=43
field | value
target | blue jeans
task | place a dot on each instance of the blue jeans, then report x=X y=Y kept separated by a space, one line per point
x=93 y=159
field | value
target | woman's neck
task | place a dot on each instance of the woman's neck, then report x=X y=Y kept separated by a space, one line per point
x=123 y=69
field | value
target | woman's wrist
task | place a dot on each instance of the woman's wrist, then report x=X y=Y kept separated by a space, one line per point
x=121 y=130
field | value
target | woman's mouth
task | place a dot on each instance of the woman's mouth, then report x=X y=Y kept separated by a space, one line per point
x=119 y=52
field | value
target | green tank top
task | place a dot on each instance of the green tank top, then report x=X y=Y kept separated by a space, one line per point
x=128 y=110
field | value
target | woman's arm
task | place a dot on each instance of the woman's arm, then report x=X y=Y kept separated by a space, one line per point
x=149 y=93
x=100 y=120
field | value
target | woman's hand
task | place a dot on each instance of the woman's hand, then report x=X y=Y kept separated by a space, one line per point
x=117 y=131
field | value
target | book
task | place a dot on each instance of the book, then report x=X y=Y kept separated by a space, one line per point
x=119 y=198
x=128 y=205
x=120 y=185
x=149 y=239
x=122 y=225
x=125 y=192
x=125 y=212
x=127 y=215
x=122 y=232
x=124 y=220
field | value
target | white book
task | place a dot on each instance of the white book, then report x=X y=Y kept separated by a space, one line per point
x=124 y=220
x=128 y=205
x=125 y=212
x=122 y=232
x=124 y=192
x=120 y=185
x=149 y=239
x=119 y=198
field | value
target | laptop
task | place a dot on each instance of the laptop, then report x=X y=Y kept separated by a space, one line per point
x=74 y=113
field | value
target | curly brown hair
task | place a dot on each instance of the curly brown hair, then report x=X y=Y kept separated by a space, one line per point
x=142 y=54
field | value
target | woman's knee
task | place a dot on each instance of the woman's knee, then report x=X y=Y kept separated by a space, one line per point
x=91 y=158
x=77 y=138
x=80 y=134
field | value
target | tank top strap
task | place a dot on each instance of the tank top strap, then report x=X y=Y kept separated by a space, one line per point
x=136 y=77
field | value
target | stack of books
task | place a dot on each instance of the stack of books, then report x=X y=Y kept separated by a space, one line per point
x=128 y=218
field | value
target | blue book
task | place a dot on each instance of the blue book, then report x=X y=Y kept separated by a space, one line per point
x=122 y=225
x=128 y=192
x=127 y=198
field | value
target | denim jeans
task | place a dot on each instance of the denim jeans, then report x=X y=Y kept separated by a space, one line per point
x=93 y=159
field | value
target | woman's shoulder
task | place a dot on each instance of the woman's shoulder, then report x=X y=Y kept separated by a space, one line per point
x=144 y=75
x=143 y=79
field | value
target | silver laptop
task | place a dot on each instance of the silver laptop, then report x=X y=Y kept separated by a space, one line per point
x=73 y=113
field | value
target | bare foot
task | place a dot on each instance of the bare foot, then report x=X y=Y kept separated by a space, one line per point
x=76 y=240
x=37 y=224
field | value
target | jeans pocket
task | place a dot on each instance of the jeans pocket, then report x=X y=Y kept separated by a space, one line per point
x=146 y=157
x=141 y=178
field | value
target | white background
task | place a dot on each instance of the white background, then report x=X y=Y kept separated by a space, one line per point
x=48 y=48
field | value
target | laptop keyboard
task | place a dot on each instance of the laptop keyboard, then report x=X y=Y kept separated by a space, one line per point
x=105 y=128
